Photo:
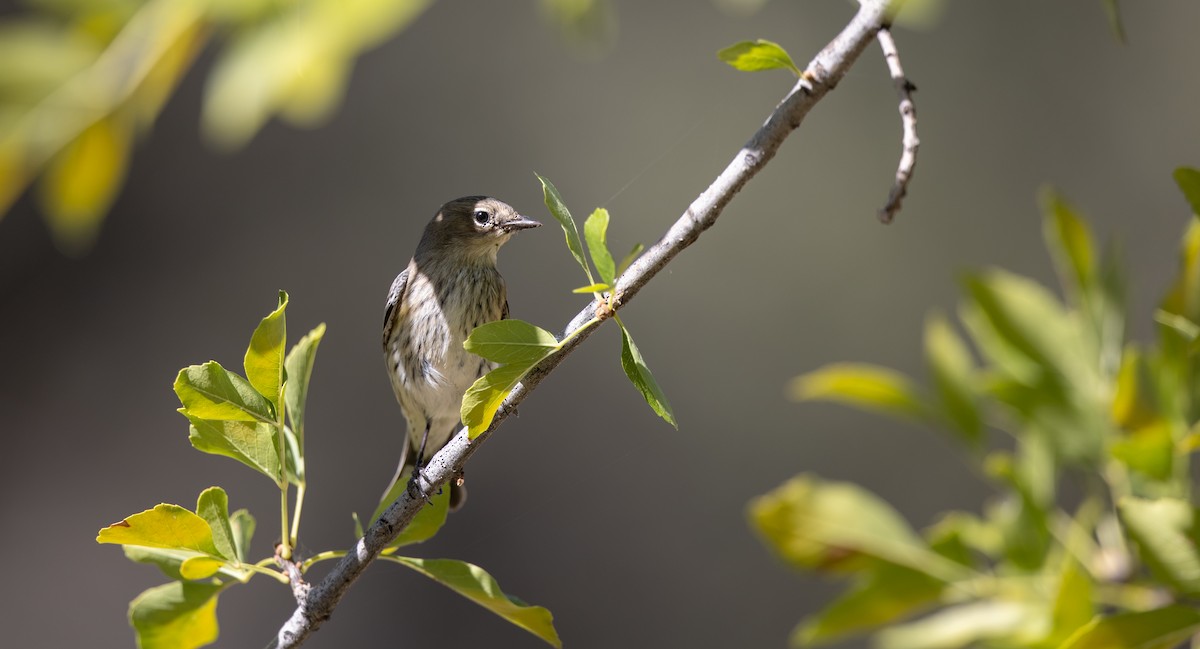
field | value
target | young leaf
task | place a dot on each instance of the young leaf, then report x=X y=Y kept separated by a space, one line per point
x=635 y=368
x=165 y=526
x=264 y=357
x=213 y=507
x=209 y=391
x=477 y=585
x=1188 y=180
x=753 y=56
x=250 y=443
x=864 y=386
x=886 y=594
x=554 y=203
x=629 y=259
x=1161 y=628
x=241 y=523
x=178 y=615
x=83 y=179
x=511 y=341
x=171 y=561
x=298 y=365
x=483 y=398
x=953 y=374
x=595 y=231
x=1165 y=532
x=592 y=288
x=1070 y=243
x=425 y=524
x=974 y=624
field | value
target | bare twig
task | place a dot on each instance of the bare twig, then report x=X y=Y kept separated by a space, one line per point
x=300 y=588
x=822 y=74
x=908 y=120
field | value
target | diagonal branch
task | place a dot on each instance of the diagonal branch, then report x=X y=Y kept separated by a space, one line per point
x=908 y=121
x=822 y=74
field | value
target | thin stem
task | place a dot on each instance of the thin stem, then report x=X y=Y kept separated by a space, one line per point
x=285 y=546
x=300 y=489
x=321 y=556
x=262 y=570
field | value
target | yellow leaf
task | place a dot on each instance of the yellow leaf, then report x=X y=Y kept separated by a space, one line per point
x=81 y=182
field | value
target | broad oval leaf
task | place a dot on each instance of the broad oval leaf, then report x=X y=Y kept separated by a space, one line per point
x=82 y=181
x=178 y=615
x=483 y=398
x=264 y=357
x=558 y=208
x=251 y=443
x=865 y=386
x=511 y=341
x=165 y=526
x=209 y=391
x=1161 y=628
x=213 y=507
x=595 y=231
x=639 y=374
x=425 y=524
x=299 y=366
x=477 y=585
x=757 y=55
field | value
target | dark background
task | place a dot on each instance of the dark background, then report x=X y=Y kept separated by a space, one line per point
x=632 y=533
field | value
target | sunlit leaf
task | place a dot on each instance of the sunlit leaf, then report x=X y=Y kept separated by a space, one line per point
x=241 y=523
x=165 y=526
x=886 y=594
x=82 y=181
x=264 y=356
x=213 y=507
x=754 y=56
x=1148 y=450
x=1188 y=180
x=425 y=524
x=595 y=231
x=485 y=395
x=1070 y=242
x=251 y=443
x=209 y=391
x=170 y=561
x=477 y=585
x=639 y=374
x=953 y=373
x=299 y=366
x=178 y=615
x=558 y=208
x=592 y=288
x=1165 y=531
x=511 y=341
x=1162 y=628
x=865 y=386
x=1007 y=623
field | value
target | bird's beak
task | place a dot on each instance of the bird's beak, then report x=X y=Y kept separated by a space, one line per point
x=521 y=223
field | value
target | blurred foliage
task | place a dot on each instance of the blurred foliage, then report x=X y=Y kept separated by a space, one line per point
x=81 y=79
x=1114 y=566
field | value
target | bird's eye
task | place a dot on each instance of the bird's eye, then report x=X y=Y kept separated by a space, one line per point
x=481 y=217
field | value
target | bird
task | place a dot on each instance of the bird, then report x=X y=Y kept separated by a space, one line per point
x=450 y=287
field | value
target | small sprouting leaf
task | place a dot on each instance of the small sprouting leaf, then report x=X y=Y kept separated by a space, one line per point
x=1165 y=531
x=953 y=370
x=200 y=566
x=425 y=524
x=178 y=615
x=213 y=507
x=251 y=443
x=595 y=231
x=1070 y=242
x=1161 y=628
x=558 y=208
x=241 y=523
x=209 y=391
x=592 y=288
x=637 y=371
x=629 y=259
x=511 y=341
x=165 y=526
x=483 y=398
x=264 y=357
x=477 y=585
x=753 y=56
x=865 y=386
x=82 y=181
x=1188 y=180
x=299 y=365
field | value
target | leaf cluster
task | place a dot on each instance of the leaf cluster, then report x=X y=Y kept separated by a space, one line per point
x=1070 y=397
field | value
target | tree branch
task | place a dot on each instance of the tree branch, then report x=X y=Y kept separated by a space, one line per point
x=908 y=121
x=821 y=76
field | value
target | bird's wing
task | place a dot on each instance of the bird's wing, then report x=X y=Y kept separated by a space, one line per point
x=395 y=296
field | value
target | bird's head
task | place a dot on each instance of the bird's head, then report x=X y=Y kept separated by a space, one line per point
x=476 y=226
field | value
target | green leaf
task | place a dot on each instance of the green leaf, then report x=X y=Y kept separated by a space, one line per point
x=595 y=231
x=425 y=524
x=178 y=615
x=1188 y=180
x=477 y=585
x=483 y=398
x=299 y=365
x=953 y=374
x=1073 y=603
x=841 y=527
x=213 y=507
x=165 y=526
x=637 y=371
x=592 y=288
x=209 y=391
x=1165 y=531
x=554 y=203
x=865 y=386
x=1006 y=623
x=1113 y=11
x=629 y=259
x=888 y=593
x=200 y=567
x=170 y=561
x=241 y=523
x=1070 y=242
x=264 y=357
x=1161 y=628
x=511 y=341
x=753 y=56
x=252 y=444
x=82 y=181
x=1149 y=450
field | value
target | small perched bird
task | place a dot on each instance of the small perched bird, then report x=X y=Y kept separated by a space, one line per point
x=450 y=287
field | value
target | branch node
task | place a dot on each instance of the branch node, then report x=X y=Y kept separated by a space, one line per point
x=300 y=588
x=908 y=122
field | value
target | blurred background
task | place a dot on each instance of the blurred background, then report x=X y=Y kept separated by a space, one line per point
x=630 y=532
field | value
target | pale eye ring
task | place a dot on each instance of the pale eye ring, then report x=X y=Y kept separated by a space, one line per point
x=481 y=217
